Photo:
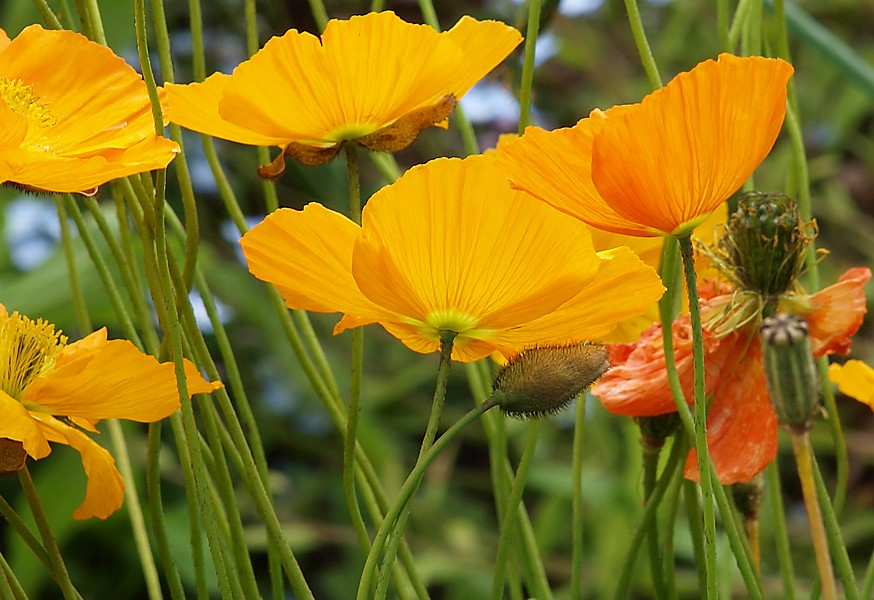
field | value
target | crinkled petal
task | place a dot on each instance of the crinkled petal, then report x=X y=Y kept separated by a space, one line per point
x=855 y=379
x=16 y=423
x=114 y=381
x=307 y=255
x=104 y=493
x=668 y=162
x=837 y=312
x=195 y=106
x=451 y=237
x=741 y=425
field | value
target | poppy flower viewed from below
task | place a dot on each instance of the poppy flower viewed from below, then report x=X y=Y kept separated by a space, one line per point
x=450 y=247
x=374 y=79
x=73 y=115
x=662 y=166
x=51 y=390
x=741 y=424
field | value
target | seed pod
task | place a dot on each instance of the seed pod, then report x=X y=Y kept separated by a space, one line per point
x=543 y=380
x=789 y=370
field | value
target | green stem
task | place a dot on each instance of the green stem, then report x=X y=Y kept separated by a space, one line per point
x=781 y=536
x=693 y=512
x=722 y=25
x=76 y=293
x=868 y=582
x=736 y=539
x=59 y=569
x=672 y=469
x=804 y=462
x=411 y=484
x=507 y=530
x=577 y=497
x=528 y=64
x=650 y=470
x=672 y=507
x=643 y=49
x=23 y=531
x=700 y=407
x=446 y=340
x=320 y=15
x=11 y=587
x=48 y=14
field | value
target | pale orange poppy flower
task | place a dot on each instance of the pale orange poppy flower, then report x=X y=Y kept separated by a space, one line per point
x=50 y=390
x=374 y=79
x=450 y=247
x=662 y=166
x=73 y=115
x=855 y=379
x=741 y=425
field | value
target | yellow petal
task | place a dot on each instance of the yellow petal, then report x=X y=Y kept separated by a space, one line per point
x=855 y=379
x=19 y=425
x=195 y=106
x=14 y=126
x=485 y=44
x=307 y=255
x=4 y=40
x=450 y=244
x=668 y=162
x=104 y=493
x=114 y=380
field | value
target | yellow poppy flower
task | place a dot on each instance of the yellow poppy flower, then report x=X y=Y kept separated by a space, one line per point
x=450 y=247
x=662 y=166
x=855 y=379
x=49 y=390
x=73 y=115
x=374 y=79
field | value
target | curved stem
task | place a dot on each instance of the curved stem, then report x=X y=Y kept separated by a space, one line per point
x=700 y=407
x=528 y=64
x=507 y=530
x=577 y=497
x=643 y=49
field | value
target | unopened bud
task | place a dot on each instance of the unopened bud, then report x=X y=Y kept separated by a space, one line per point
x=655 y=430
x=748 y=496
x=787 y=358
x=543 y=380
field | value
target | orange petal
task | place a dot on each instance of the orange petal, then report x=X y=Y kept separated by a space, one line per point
x=307 y=255
x=854 y=379
x=450 y=239
x=196 y=106
x=837 y=312
x=741 y=425
x=668 y=162
x=556 y=167
x=104 y=493
x=14 y=128
x=4 y=40
x=115 y=381
x=19 y=425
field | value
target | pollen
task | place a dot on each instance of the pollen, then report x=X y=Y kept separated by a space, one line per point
x=21 y=99
x=28 y=349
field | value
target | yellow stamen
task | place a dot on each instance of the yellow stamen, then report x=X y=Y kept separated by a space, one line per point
x=28 y=349
x=21 y=99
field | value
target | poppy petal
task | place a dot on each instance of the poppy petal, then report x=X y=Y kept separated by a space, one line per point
x=19 y=425
x=836 y=313
x=855 y=379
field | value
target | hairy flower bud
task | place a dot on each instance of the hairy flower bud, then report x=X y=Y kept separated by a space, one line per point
x=789 y=370
x=543 y=380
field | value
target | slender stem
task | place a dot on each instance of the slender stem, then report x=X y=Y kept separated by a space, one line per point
x=751 y=523
x=76 y=293
x=650 y=471
x=23 y=531
x=693 y=512
x=722 y=24
x=781 y=536
x=507 y=530
x=446 y=340
x=59 y=569
x=48 y=14
x=577 y=497
x=671 y=470
x=672 y=507
x=11 y=587
x=317 y=7
x=700 y=407
x=643 y=49
x=804 y=462
x=411 y=484
x=868 y=582
x=528 y=64
x=842 y=459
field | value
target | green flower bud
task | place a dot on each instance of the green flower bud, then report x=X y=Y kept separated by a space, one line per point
x=787 y=358
x=543 y=380
x=765 y=243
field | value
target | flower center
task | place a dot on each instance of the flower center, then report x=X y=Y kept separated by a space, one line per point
x=21 y=99
x=351 y=131
x=28 y=349
x=449 y=319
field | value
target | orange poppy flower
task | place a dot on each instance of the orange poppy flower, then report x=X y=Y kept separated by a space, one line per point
x=741 y=425
x=854 y=379
x=662 y=166
x=450 y=247
x=374 y=79
x=50 y=390
x=73 y=115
